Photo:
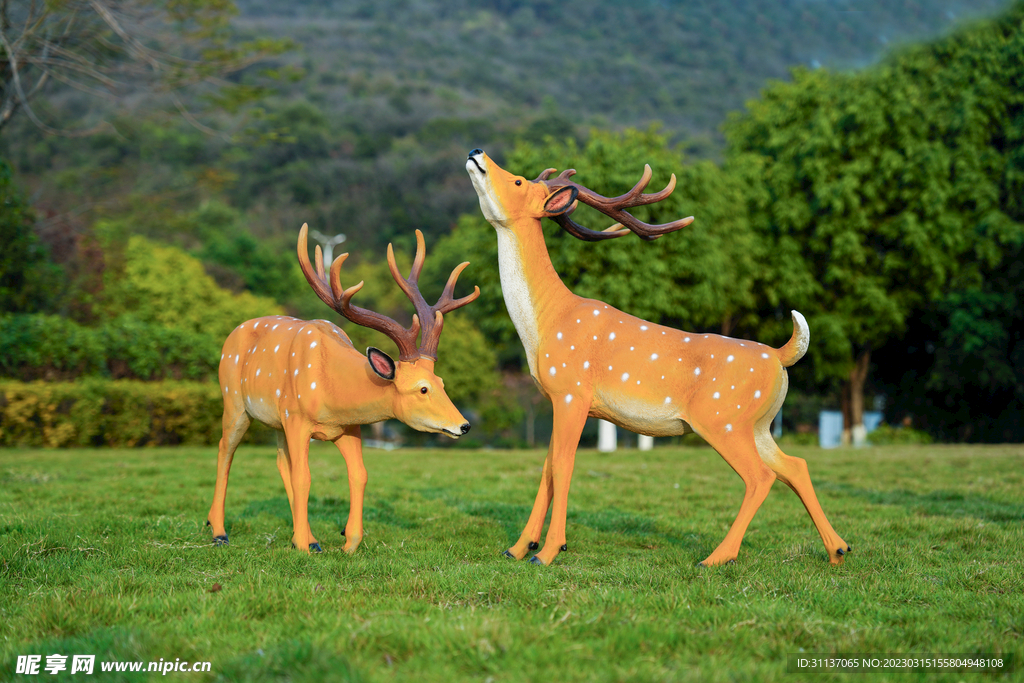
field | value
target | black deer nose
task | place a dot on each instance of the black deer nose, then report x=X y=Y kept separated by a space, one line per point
x=465 y=428
x=475 y=152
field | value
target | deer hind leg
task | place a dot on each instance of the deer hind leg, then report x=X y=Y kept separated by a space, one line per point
x=739 y=450
x=350 y=444
x=530 y=538
x=284 y=466
x=793 y=472
x=234 y=424
x=298 y=453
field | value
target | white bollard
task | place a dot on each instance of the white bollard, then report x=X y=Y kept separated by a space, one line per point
x=644 y=442
x=606 y=436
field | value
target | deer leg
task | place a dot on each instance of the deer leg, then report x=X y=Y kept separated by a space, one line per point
x=284 y=466
x=351 y=446
x=530 y=538
x=739 y=450
x=565 y=438
x=298 y=451
x=234 y=424
x=793 y=472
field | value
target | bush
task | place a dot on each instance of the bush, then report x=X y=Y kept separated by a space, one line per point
x=53 y=348
x=97 y=412
x=886 y=435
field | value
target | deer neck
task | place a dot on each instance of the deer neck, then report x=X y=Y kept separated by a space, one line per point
x=534 y=294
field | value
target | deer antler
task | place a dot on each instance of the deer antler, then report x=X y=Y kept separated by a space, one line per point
x=431 y=317
x=614 y=207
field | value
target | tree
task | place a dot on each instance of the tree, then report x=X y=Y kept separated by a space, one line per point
x=117 y=48
x=27 y=279
x=889 y=188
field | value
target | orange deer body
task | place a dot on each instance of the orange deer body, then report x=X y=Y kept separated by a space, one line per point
x=590 y=359
x=305 y=379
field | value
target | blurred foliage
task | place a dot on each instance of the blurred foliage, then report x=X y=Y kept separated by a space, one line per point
x=164 y=285
x=52 y=347
x=27 y=277
x=96 y=412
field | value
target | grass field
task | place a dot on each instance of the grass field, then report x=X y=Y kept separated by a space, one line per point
x=104 y=552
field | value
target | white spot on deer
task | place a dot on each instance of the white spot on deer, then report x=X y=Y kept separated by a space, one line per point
x=577 y=383
x=279 y=393
x=597 y=312
x=687 y=339
x=222 y=356
x=757 y=394
x=286 y=413
x=313 y=385
x=241 y=326
x=638 y=381
x=733 y=386
x=577 y=320
x=552 y=371
x=563 y=365
x=309 y=332
x=751 y=369
x=728 y=428
x=729 y=359
x=586 y=364
x=595 y=337
x=738 y=407
x=276 y=348
x=764 y=355
x=625 y=376
x=715 y=395
x=609 y=367
x=225 y=390
x=668 y=399
x=313 y=345
x=236 y=359
x=274 y=327
x=296 y=372
x=712 y=355
x=611 y=336
x=572 y=348
x=255 y=325
x=257 y=372
x=568 y=398
x=559 y=335
x=696 y=371
x=631 y=348
x=742 y=344
x=309 y=365
x=547 y=355
x=654 y=356
x=643 y=328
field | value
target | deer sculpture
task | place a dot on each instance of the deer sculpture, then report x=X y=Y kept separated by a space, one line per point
x=590 y=359
x=306 y=380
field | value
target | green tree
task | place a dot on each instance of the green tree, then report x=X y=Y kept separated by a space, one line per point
x=164 y=285
x=27 y=279
x=888 y=188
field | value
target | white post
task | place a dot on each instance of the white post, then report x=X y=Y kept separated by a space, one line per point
x=644 y=442
x=606 y=436
x=328 y=244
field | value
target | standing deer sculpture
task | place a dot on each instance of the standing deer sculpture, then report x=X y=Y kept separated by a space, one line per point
x=306 y=380
x=590 y=359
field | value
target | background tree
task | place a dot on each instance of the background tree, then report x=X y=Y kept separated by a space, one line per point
x=889 y=188
x=119 y=48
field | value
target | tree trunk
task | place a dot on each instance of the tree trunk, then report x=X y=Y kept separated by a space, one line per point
x=727 y=324
x=858 y=376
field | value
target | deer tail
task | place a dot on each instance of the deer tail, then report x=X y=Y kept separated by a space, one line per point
x=796 y=347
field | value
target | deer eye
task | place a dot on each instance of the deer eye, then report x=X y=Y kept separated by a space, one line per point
x=423 y=390
x=519 y=182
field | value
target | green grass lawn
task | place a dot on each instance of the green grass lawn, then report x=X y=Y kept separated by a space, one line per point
x=104 y=552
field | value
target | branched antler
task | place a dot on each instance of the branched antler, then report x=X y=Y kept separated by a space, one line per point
x=614 y=207
x=331 y=293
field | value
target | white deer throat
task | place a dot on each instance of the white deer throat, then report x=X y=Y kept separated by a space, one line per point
x=516 y=290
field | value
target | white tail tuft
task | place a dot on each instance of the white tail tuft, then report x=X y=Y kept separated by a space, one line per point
x=797 y=345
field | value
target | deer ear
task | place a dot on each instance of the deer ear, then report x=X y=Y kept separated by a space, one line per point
x=560 y=201
x=381 y=363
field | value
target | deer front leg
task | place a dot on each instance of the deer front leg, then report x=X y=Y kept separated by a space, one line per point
x=298 y=452
x=565 y=438
x=530 y=538
x=284 y=466
x=351 y=446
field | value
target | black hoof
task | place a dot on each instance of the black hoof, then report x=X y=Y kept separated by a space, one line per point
x=701 y=565
x=564 y=547
x=848 y=548
x=315 y=548
x=508 y=554
x=533 y=545
x=220 y=540
x=535 y=560
x=208 y=523
x=840 y=552
x=342 y=532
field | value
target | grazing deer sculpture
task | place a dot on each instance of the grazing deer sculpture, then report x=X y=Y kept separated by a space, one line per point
x=590 y=359
x=305 y=379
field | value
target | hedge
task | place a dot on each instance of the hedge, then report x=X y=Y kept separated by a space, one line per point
x=35 y=346
x=98 y=412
